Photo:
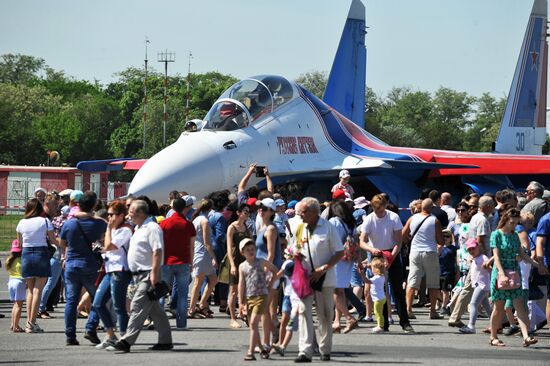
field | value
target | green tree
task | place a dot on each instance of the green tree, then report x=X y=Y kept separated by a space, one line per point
x=486 y=123
x=406 y=118
x=19 y=69
x=315 y=81
x=20 y=105
x=450 y=118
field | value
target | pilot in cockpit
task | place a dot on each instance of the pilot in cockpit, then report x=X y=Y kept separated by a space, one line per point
x=275 y=87
x=257 y=101
x=231 y=117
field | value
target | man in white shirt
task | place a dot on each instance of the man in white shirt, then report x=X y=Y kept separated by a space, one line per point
x=321 y=240
x=381 y=236
x=145 y=257
x=535 y=203
x=426 y=236
x=446 y=205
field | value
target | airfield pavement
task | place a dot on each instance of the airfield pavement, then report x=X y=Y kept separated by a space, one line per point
x=212 y=342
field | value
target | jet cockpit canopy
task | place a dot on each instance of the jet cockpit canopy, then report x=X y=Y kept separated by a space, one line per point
x=247 y=100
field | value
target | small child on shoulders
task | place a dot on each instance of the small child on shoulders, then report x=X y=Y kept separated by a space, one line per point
x=343 y=184
x=253 y=290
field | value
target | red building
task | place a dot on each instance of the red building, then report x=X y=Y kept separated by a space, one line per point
x=17 y=183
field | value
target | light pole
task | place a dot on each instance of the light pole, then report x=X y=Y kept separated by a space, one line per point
x=165 y=57
x=145 y=93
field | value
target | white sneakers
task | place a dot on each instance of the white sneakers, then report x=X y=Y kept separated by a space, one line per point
x=106 y=343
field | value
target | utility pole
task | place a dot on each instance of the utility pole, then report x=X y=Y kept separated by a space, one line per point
x=165 y=57
x=188 y=82
x=145 y=93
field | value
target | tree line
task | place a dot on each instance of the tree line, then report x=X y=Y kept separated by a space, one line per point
x=43 y=109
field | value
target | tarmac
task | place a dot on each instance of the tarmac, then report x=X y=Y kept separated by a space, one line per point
x=212 y=342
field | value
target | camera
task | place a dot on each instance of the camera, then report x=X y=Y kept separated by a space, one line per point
x=260 y=171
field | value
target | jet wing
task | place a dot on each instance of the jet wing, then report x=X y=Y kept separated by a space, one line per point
x=372 y=169
x=491 y=164
x=109 y=165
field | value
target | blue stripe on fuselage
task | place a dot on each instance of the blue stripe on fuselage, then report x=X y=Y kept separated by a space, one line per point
x=339 y=137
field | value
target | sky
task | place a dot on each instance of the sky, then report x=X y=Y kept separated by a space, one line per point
x=466 y=45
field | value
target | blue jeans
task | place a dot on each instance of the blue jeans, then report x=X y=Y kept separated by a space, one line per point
x=55 y=266
x=113 y=286
x=75 y=279
x=181 y=274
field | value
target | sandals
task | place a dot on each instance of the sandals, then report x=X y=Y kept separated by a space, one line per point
x=18 y=329
x=497 y=342
x=351 y=325
x=44 y=315
x=250 y=357
x=195 y=315
x=529 y=341
x=204 y=312
x=336 y=330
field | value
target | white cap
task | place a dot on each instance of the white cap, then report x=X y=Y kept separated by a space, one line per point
x=65 y=210
x=361 y=202
x=267 y=202
x=40 y=189
x=189 y=200
x=66 y=192
x=344 y=174
x=244 y=242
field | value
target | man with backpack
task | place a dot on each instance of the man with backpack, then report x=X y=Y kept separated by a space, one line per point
x=424 y=259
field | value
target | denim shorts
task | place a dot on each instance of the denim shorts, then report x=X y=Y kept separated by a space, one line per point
x=35 y=262
x=287 y=305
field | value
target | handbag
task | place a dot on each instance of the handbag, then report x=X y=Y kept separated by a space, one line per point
x=510 y=280
x=158 y=292
x=96 y=253
x=300 y=280
x=51 y=248
x=315 y=285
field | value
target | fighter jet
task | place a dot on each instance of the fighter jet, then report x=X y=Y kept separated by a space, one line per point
x=305 y=141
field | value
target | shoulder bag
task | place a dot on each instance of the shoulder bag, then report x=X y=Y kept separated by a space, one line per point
x=51 y=248
x=96 y=253
x=510 y=279
x=315 y=285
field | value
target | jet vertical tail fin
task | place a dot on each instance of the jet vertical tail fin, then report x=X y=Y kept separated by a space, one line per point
x=345 y=89
x=523 y=127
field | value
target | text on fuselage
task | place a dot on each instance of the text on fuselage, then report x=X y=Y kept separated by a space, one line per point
x=296 y=145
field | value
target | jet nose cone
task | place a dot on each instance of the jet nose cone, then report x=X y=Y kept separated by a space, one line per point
x=187 y=165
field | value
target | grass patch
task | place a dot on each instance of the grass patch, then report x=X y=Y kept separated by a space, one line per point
x=8 y=223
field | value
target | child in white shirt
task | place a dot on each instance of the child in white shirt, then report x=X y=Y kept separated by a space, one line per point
x=289 y=308
x=378 y=292
x=343 y=184
x=481 y=283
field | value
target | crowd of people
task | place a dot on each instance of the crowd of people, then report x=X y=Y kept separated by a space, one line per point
x=267 y=263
